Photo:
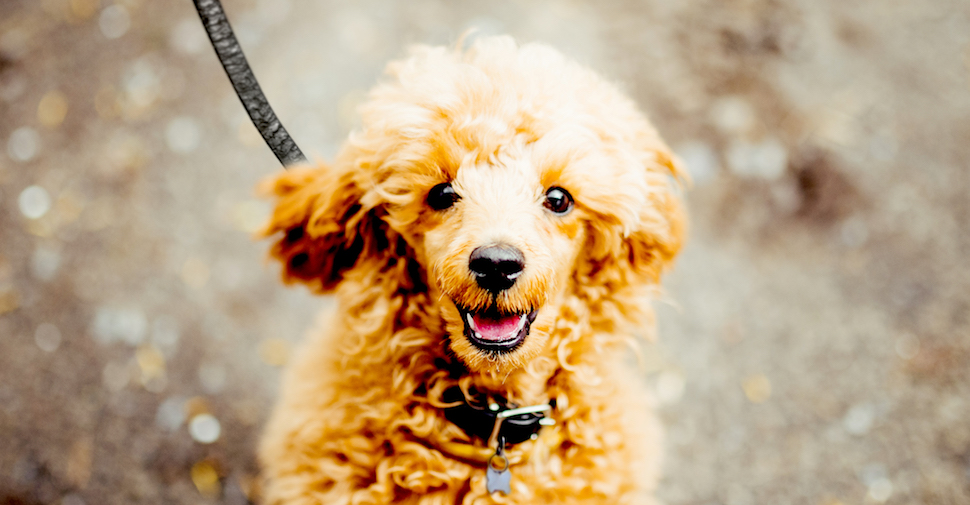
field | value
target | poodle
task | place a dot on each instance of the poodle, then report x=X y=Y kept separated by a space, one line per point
x=493 y=234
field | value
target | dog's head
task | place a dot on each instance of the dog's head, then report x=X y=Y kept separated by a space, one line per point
x=498 y=181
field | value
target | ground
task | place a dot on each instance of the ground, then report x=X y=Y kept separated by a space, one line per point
x=815 y=333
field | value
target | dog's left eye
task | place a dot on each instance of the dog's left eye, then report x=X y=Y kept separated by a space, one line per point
x=442 y=196
x=558 y=200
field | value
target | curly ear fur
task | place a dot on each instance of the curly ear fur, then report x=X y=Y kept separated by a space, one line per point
x=325 y=228
x=650 y=249
x=621 y=256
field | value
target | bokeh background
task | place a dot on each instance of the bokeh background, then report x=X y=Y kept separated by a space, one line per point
x=815 y=341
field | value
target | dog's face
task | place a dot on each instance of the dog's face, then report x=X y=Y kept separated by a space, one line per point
x=503 y=235
x=500 y=182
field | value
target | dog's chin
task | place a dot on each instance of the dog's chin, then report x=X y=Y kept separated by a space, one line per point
x=496 y=332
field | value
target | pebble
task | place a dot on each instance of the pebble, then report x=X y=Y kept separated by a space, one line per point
x=757 y=388
x=876 y=478
x=124 y=152
x=250 y=29
x=231 y=112
x=230 y=273
x=250 y=215
x=84 y=9
x=126 y=325
x=249 y=136
x=15 y=42
x=880 y=490
x=358 y=32
x=766 y=159
x=23 y=144
x=151 y=362
x=786 y=196
x=165 y=334
x=206 y=479
x=952 y=408
x=838 y=125
x=12 y=87
x=52 y=109
x=701 y=161
x=670 y=386
x=733 y=114
x=737 y=494
x=205 y=428
x=9 y=299
x=171 y=413
x=854 y=232
x=682 y=434
x=115 y=376
x=114 y=21
x=274 y=351
x=155 y=384
x=188 y=37
x=273 y=12
x=34 y=202
x=142 y=85
x=44 y=263
x=106 y=102
x=72 y=499
x=883 y=147
x=196 y=405
x=213 y=377
x=872 y=472
x=195 y=273
x=907 y=346
x=47 y=337
x=859 y=419
x=183 y=134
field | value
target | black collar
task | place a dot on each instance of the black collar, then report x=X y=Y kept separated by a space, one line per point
x=477 y=417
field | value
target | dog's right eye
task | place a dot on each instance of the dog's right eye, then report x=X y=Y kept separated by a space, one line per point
x=559 y=201
x=442 y=196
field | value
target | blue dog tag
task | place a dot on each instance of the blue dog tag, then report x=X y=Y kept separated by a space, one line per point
x=498 y=480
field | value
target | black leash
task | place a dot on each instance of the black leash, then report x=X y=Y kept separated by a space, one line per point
x=244 y=82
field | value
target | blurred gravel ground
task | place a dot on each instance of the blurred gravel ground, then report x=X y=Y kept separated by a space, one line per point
x=816 y=347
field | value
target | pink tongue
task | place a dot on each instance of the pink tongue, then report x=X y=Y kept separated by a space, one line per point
x=495 y=330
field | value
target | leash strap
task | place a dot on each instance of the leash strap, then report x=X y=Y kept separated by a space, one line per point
x=243 y=80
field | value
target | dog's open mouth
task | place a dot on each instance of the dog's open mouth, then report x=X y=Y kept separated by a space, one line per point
x=494 y=330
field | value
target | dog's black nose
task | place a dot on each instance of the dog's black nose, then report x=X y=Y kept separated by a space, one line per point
x=496 y=266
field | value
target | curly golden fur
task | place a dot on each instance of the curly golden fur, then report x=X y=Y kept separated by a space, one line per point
x=360 y=419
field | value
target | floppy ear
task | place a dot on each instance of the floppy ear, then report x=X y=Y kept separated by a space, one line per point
x=651 y=248
x=623 y=252
x=323 y=230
